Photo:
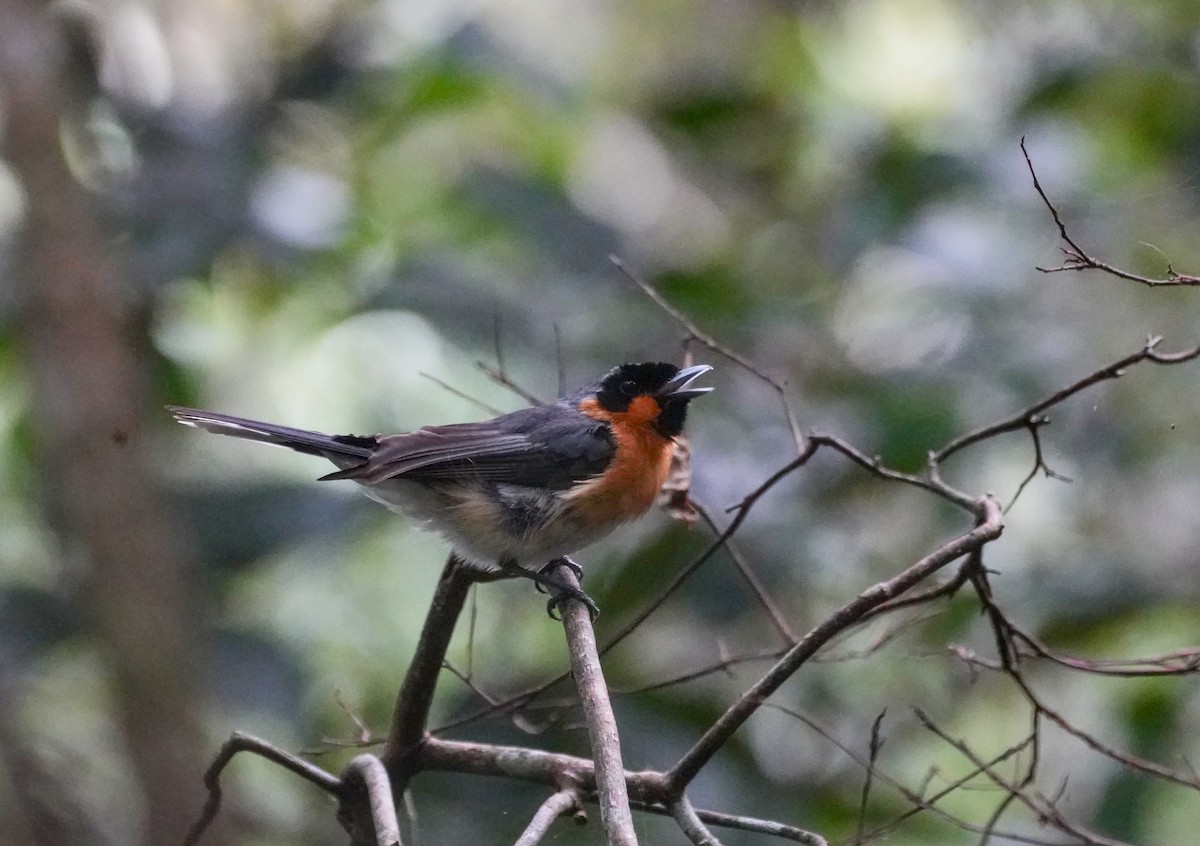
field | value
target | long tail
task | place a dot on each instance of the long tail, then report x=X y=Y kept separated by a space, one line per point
x=343 y=450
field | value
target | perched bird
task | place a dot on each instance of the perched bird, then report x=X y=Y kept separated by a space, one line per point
x=523 y=489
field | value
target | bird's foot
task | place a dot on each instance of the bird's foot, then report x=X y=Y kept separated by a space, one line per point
x=564 y=593
x=549 y=566
x=547 y=583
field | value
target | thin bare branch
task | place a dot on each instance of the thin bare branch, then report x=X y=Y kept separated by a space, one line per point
x=556 y=805
x=1021 y=419
x=241 y=742
x=689 y=821
x=921 y=803
x=1042 y=808
x=497 y=375
x=948 y=588
x=873 y=750
x=1034 y=424
x=1125 y=759
x=987 y=529
x=724 y=665
x=1079 y=259
x=697 y=334
x=368 y=773
x=874 y=466
x=615 y=814
x=446 y=386
x=748 y=575
x=416 y=692
x=1007 y=636
x=768 y=827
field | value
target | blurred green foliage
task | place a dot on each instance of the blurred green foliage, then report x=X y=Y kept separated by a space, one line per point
x=349 y=196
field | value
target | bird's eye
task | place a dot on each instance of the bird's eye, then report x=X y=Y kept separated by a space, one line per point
x=629 y=388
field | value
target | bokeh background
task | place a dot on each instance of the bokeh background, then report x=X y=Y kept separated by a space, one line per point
x=300 y=211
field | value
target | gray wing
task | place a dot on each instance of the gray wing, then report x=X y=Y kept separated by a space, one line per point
x=548 y=446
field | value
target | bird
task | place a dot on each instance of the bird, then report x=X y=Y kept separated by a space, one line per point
x=522 y=491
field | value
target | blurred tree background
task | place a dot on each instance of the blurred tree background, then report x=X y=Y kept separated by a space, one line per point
x=299 y=211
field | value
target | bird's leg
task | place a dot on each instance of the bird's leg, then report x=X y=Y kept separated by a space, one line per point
x=543 y=580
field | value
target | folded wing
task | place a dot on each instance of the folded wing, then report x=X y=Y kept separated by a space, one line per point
x=548 y=446
x=535 y=447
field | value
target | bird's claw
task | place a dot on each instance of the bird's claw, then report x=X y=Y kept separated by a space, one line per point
x=564 y=593
x=568 y=563
x=549 y=566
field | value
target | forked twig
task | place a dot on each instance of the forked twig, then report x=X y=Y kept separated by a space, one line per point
x=242 y=742
x=1079 y=259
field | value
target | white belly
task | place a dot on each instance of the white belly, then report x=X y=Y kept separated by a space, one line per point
x=483 y=527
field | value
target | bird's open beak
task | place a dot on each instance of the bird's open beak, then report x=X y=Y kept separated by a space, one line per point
x=677 y=386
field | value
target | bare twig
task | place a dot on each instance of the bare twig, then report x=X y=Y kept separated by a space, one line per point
x=615 y=814
x=1021 y=420
x=768 y=827
x=689 y=821
x=446 y=386
x=987 y=529
x=368 y=773
x=1177 y=663
x=1079 y=259
x=697 y=334
x=920 y=802
x=1008 y=635
x=556 y=805
x=1042 y=808
x=241 y=742
x=1034 y=425
x=723 y=665
x=876 y=643
x=647 y=790
x=948 y=588
x=931 y=482
x=748 y=575
x=416 y=692
x=873 y=749
x=501 y=378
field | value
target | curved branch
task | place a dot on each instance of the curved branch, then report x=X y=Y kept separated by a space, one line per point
x=241 y=742
x=693 y=827
x=556 y=805
x=368 y=773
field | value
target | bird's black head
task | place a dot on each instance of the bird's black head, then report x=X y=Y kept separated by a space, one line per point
x=654 y=391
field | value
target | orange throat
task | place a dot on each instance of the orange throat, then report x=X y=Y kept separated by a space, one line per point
x=628 y=486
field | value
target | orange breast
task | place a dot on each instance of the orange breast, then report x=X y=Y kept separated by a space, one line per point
x=627 y=488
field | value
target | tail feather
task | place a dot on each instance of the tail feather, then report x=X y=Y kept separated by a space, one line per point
x=336 y=448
